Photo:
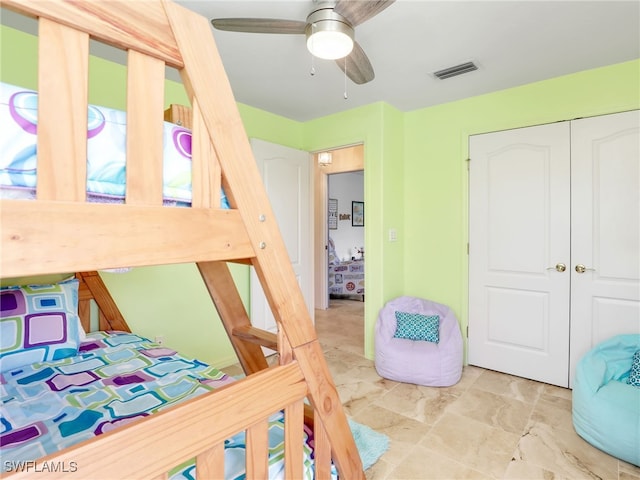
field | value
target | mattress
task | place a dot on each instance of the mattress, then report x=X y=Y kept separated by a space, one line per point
x=106 y=152
x=346 y=278
x=116 y=378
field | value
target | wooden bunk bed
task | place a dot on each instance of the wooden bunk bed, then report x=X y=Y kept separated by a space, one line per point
x=60 y=231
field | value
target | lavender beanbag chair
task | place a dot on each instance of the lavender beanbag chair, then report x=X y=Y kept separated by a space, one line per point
x=418 y=341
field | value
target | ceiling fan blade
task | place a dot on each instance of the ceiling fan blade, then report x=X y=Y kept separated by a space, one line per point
x=359 y=68
x=359 y=11
x=259 y=25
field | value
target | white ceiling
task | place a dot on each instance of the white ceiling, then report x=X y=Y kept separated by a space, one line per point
x=512 y=43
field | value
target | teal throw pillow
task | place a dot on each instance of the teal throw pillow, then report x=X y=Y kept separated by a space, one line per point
x=634 y=375
x=414 y=326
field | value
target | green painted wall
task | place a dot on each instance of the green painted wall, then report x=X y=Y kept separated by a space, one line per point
x=271 y=128
x=436 y=148
x=415 y=182
x=416 y=175
x=379 y=126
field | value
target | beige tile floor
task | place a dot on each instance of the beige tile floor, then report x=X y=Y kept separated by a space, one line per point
x=490 y=425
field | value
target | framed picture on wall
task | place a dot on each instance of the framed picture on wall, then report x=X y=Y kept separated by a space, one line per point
x=357 y=214
x=333 y=214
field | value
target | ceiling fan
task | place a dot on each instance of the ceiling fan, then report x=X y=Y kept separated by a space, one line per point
x=329 y=29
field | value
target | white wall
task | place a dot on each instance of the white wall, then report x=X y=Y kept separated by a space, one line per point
x=347 y=187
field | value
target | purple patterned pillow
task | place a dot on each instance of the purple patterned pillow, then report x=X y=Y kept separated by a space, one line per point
x=38 y=323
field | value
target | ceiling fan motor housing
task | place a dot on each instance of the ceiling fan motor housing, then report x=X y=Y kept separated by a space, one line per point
x=326 y=22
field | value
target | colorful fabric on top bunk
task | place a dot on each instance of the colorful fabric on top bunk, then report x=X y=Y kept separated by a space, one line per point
x=106 y=151
x=116 y=378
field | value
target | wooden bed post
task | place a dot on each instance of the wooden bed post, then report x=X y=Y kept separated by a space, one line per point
x=93 y=288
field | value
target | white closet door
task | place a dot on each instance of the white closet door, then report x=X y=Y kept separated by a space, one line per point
x=519 y=231
x=605 y=209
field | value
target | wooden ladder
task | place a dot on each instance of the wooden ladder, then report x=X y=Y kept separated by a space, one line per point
x=246 y=339
x=224 y=158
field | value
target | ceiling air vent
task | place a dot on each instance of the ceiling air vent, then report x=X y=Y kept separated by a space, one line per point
x=457 y=70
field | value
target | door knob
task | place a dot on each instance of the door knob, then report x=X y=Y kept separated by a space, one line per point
x=581 y=268
x=560 y=267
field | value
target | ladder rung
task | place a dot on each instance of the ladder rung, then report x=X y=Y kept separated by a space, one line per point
x=257 y=335
x=241 y=261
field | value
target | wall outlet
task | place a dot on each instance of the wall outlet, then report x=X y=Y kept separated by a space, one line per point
x=159 y=339
x=393 y=235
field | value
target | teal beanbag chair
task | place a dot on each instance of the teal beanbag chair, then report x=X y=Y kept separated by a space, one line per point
x=606 y=404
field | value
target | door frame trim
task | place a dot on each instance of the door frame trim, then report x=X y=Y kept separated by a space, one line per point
x=344 y=160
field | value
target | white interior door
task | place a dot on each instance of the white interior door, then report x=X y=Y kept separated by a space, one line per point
x=605 y=211
x=286 y=175
x=519 y=232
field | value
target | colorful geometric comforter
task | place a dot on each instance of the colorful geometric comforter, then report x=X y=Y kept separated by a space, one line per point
x=106 y=152
x=116 y=378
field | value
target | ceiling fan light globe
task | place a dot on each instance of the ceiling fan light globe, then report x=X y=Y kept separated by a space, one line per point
x=329 y=35
x=330 y=45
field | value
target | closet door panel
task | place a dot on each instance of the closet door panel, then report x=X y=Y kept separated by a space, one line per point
x=518 y=233
x=605 y=232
